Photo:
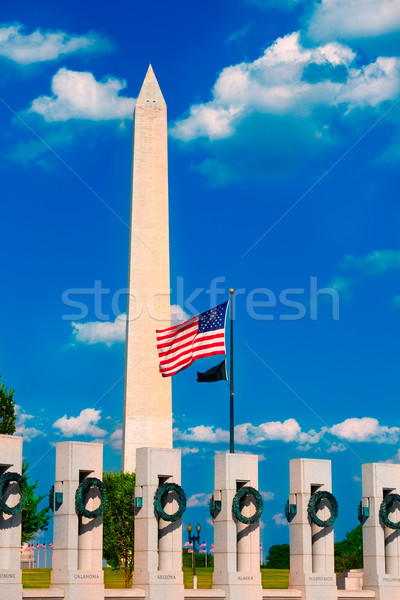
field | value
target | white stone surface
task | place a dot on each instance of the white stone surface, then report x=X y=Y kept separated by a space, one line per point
x=77 y=551
x=148 y=402
x=236 y=554
x=158 y=543
x=381 y=545
x=43 y=594
x=311 y=547
x=10 y=525
x=351 y=580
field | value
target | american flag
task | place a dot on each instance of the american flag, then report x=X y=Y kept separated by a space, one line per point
x=50 y=545
x=204 y=335
x=203 y=551
x=190 y=551
x=203 y=545
x=188 y=544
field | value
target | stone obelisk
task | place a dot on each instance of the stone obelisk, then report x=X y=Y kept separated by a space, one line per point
x=147 y=400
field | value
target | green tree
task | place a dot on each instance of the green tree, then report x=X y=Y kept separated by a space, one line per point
x=119 y=523
x=33 y=519
x=349 y=552
x=8 y=415
x=278 y=557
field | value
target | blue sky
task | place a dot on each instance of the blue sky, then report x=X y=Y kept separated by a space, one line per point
x=284 y=123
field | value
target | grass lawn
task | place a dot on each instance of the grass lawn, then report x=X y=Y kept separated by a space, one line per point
x=271 y=578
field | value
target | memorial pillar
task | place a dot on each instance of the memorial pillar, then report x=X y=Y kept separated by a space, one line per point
x=158 y=542
x=10 y=524
x=381 y=542
x=312 y=568
x=77 y=539
x=236 y=544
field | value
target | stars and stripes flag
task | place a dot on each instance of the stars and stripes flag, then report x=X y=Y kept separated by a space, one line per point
x=188 y=544
x=50 y=545
x=190 y=551
x=203 y=545
x=203 y=551
x=179 y=346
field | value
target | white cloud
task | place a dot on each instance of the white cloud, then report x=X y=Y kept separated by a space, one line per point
x=178 y=315
x=354 y=19
x=395 y=459
x=280 y=519
x=356 y=478
x=202 y=433
x=110 y=332
x=26 y=152
x=40 y=46
x=267 y=496
x=78 y=95
x=278 y=84
x=237 y=35
x=304 y=448
x=354 y=429
x=116 y=439
x=186 y=450
x=100 y=332
x=377 y=263
x=365 y=429
x=337 y=447
x=84 y=424
x=29 y=433
x=285 y=431
x=198 y=500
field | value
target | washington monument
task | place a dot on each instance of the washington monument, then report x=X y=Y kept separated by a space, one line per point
x=147 y=398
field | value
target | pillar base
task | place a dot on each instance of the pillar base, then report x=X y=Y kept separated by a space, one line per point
x=239 y=585
x=314 y=586
x=154 y=585
x=386 y=587
x=79 y=585
x=10 y=584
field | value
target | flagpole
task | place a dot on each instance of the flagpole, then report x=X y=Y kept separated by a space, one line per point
x=232 y=432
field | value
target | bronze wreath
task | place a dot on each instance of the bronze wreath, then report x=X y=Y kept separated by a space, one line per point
x=238 y=501
x=80 y=498
x=4 y=481
x=159 y=498
x=384 y=510
x=313 y=506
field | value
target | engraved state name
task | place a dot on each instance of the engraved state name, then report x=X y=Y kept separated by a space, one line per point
x=245 y=577
x=7 y=576
x=320 y=579
x=166 y=576
x=390 y=579
x=86 y=576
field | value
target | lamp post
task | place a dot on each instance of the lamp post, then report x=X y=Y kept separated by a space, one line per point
x=192 y=540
